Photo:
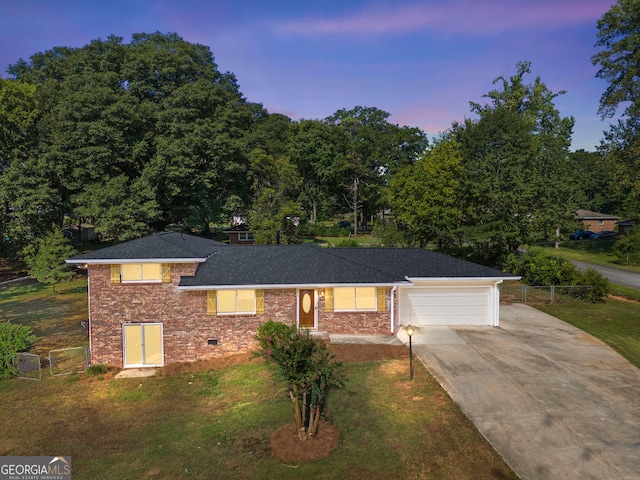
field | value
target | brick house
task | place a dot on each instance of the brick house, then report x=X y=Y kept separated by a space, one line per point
x=174 y=297
x=596 y=222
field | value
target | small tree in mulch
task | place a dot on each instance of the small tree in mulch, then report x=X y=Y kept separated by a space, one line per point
x=306 y=366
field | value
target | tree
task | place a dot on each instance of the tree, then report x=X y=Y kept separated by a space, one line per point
x=274 y=214
x=516 y=169
x=46 y=259
x=619 y=62
x=369 y=150
x=306 y=366
x=619 y=58
x=311 y=149
x=154 y=116
x=425 y=197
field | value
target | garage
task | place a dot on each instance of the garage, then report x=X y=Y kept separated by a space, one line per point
x=448 y=305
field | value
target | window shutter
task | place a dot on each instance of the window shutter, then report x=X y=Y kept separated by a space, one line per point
x=259 y=302
x=382 y=300
x=328 y=299
x=211 y=302
x=166 y=273
x=115 y=273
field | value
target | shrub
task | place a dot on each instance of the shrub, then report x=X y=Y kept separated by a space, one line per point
x=598 y=285
x=13 y=339
x=627 y=248
x=97 y=369
x=539 y=268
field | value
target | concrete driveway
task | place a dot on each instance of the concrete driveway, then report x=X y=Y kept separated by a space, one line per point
x=553 y=400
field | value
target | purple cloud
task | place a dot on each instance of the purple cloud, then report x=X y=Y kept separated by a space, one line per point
x=453 y=17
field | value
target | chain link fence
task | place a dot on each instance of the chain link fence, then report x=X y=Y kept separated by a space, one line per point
x=540 y=295
x=66 y=361
x=28 y=365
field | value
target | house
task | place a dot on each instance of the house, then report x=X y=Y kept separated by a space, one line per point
x=174 y=297
x=240 y=235
x=84 y=232
x=595 y=221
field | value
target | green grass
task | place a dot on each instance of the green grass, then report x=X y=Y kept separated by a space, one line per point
x=616 y=322
x=597 y=252
x=341 y=242
x=217 y=424
x=54 y=317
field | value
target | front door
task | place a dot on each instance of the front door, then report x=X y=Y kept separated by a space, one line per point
x=142 y=344
x=306 y=309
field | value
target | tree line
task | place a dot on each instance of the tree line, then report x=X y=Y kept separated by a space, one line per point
x=141 y=135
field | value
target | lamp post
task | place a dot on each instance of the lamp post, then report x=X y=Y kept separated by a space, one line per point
x=410 y=333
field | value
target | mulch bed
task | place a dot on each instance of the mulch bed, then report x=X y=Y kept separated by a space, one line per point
x=286 y=445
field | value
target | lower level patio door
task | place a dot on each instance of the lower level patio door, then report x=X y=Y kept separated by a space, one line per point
x=307 y=308
x=142 y=345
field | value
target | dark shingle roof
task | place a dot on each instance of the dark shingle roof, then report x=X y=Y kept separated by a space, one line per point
x=162 y=246
x=311 y=265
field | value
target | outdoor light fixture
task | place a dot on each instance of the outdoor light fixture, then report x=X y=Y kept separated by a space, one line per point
x=410 y=332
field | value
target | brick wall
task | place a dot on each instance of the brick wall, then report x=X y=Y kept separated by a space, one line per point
x=595 y=226
x=186 y=325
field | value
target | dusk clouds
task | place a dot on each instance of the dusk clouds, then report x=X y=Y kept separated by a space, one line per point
x=422 y=61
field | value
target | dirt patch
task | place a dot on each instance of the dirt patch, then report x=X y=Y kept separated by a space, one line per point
x=343 y=352
x=286 y=445
x=367 y=352
x=623 y=299
x=206 y=365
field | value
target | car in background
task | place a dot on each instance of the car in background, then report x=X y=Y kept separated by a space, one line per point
x=603 y=234
x=581 y=235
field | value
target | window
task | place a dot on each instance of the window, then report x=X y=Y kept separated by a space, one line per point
x=141 y=272
x=236 y=301
x=245 y=237
x=354 y=298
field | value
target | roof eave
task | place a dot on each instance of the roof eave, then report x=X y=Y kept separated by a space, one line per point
x=113 y=261
x=272 y=286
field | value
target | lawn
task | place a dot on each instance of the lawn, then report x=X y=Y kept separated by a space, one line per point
x=341 y=242
x=593 y=251
x=54 y=317
x=616 y=322
x=217 y=423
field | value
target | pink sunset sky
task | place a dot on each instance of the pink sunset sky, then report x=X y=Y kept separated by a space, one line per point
x=421 y=61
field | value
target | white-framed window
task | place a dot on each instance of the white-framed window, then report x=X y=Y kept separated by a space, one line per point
x=600 y=222
x=141 y=272
x=351 y=299
x=245 y=237
x=236 y=301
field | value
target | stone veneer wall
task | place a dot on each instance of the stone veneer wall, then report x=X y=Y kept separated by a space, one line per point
x=186 y=325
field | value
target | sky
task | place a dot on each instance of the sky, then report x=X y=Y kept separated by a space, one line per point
x=422 y=61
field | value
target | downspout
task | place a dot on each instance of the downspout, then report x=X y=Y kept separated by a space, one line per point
x=393 y=310
x=89 y=309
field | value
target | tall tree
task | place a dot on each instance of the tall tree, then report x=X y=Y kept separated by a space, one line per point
x=369 y=150
x=619 y=58
x=274 y=214
x=312 y=151
x=516 y=168
x=425 y=196
x=619 y=62
x=153 y=117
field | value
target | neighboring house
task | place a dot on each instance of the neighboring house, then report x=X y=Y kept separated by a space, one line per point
x=595 y=221
x=174 y=297
x=240 y=235
x=85 y=232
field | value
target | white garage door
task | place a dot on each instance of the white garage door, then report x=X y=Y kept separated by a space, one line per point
x=445 y=305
